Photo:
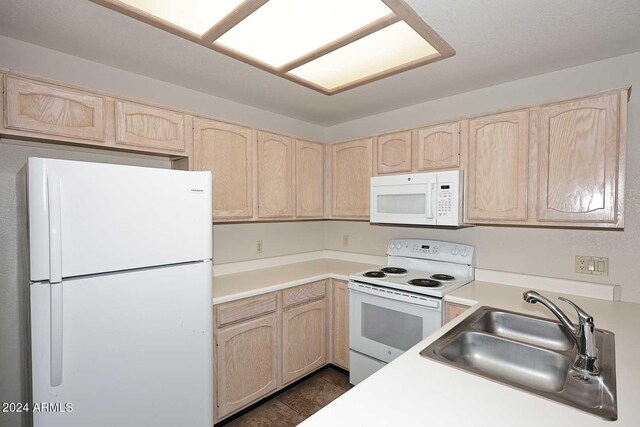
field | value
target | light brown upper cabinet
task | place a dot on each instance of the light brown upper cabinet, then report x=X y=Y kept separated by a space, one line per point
x=54 y=110
x=309 y=179
x=439 y=146
x=393 y=152
x=227 y=151
x=303 y=340
x=150 y=127
x=496 y=184
x=578 y=154
x=275 y=176
x=351 y=173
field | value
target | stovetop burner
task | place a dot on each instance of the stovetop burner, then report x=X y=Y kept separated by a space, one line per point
x=375 y=274
x=445 y=277
x=394 y=270
x=425 y=283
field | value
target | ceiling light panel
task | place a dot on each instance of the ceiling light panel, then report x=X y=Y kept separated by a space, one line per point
x=284 y=30
x=196 y=16
x=391 y=47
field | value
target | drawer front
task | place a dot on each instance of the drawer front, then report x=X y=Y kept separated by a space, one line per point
x=304 y=293
x=53 y=110
x=247 y=308
x=145 y=126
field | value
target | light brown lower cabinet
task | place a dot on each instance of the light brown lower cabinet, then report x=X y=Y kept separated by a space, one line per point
x=341 y=324
x=247 y=363
x=266 y=342
x=303 y=340
x=453 y=310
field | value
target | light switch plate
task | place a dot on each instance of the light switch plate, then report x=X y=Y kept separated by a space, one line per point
x=259 y=246
x=597 y=266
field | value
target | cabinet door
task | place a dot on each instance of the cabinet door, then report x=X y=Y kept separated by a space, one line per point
x=439 y=146
x=341 y=324
x=145 y=126
x=309 y=179
x=247 y=363
x=275 y=176
x=303 y=340
x=54 y=110
x=226 y=151
x=393 y=152
x=578 y=149
x=452 y=310
x=351 y=174
x=497 y=167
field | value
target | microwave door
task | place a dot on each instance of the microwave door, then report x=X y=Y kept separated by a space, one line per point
x=404 y=204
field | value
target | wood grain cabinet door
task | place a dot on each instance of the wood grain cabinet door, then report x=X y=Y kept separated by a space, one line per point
x=341 y=324
x=439 y=146
x=227 y=151
x=498 y=167
x=141 y=125
x=53 y=110
x=351 y=174
x=578 y=151
x=275 y=176
x=247 y=363
x=309 y=179
x=393 y=152
x=303 y=340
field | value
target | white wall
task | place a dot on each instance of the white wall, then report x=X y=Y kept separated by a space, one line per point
x=547 y=252
x=29 y=58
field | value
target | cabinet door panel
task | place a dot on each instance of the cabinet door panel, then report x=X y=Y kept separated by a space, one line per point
x=578 y=160
x=394 y=152
x=351 y=174
x=303 y=340
x=54 y=110
x=341 y=324
x=498 y=167
x=226 y=151
x=145 y=126
x=275 y=177
x=309 y=179
x=439 y=146
x=247 y=363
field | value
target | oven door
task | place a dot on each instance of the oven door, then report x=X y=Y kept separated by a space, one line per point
x=384 y=328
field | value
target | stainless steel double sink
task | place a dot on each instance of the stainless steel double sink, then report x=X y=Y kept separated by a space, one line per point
x=531 y=354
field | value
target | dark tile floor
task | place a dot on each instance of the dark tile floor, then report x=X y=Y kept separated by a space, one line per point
x=298 y=403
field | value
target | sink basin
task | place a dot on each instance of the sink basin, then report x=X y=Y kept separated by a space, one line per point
x=507 y=360
x=530 y=330
x=530 y=354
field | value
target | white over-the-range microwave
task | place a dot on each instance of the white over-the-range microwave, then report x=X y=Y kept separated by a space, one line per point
x=429 y=198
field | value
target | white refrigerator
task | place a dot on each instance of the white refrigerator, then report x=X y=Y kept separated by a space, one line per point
x=120 y=294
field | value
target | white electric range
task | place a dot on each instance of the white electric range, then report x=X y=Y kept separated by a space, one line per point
x=395 y=306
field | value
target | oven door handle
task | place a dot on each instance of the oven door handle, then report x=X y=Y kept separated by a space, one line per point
x=420 y=301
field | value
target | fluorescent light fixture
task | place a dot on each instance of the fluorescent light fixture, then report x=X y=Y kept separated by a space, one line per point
x=326 y=45
x=391 y=47
x=284 y=30
x=196 y=16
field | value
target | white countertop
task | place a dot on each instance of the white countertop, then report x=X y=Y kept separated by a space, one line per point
x=234 y=286
x=414 y=391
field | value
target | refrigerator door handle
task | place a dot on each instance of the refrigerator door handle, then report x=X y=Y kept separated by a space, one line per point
x=55 y=277
x=55 y=241
x=56 y=334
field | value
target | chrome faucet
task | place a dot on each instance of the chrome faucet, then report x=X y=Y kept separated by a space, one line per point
x=583 y=335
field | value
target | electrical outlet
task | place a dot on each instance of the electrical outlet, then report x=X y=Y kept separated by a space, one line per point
x=345 y=240
x=598 y=266
x=259 y=246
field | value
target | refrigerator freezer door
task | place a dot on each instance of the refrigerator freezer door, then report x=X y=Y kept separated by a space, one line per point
x=137 y=349
x=115 y=218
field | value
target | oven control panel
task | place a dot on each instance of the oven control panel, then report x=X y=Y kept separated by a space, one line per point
x=431 y=249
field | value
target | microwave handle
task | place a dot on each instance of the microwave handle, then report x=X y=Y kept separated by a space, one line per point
x=429 y=209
